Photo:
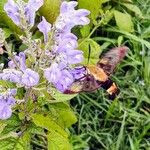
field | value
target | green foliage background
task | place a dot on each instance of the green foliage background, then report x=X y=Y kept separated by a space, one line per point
x=122 y=124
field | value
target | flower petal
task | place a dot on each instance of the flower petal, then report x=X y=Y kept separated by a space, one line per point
x=30 y=78
x=45 y=28
x=11 y=8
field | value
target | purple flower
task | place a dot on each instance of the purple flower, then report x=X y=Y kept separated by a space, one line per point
x=74 y=56
x=12 y=11
x=65 y=81
x=53 y=74
x=11 y=75
x=6 y=102
x=60 y=77
x=68 y=6
x=69 y=17
x=45 y=28
x=27 y=78
x=31 y=8
x=61 y=72
x=5 y=110
x=18 y=61
x=67 y=40
x=19 y=73
x=12 y=92
x=35 y=4
x=30 y=78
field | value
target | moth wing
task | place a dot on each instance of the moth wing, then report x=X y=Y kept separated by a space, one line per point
x=91 y=84
x=110 y=59
x=87 y=84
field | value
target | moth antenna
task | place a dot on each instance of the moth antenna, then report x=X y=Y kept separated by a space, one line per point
x=89 y=54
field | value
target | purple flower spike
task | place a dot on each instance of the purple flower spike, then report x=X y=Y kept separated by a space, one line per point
x=30 y=10
x=53 y=73
x=30 y=78
x=62 y=74
x=12 y=11
x=45 y=28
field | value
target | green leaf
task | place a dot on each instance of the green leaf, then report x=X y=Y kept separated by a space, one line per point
x=60 y=97
x=12 y=125
x=120 y=40
x=24 y=142
x=131 y=36
x=18 y=143
x=124 y=21
x=65 y=113
x=107 y=16
x=50 y=10
x=7 y=32
x=85 y=30
x=47 y=122
x=134 y=9
x=91 y=50
x=146 y=70
x=6 y=84
x=93 y=6
x=57 y=141
x=120 y=136
x=2 y=126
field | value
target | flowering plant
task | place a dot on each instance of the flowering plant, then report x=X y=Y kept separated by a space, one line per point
x=37 y=76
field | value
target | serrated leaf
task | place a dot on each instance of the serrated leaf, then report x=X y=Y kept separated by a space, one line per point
x=12 y=124
x=91 y=50
x=124 y=21
x=18 y=143
x=50 y=10
x=57 y=142
x=107 y=17
x=47 y=122
x=65 y=113
x=33 y=129
x=24 y=142
x=134 y=9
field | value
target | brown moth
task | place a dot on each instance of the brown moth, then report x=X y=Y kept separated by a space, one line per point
x=98 y=75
